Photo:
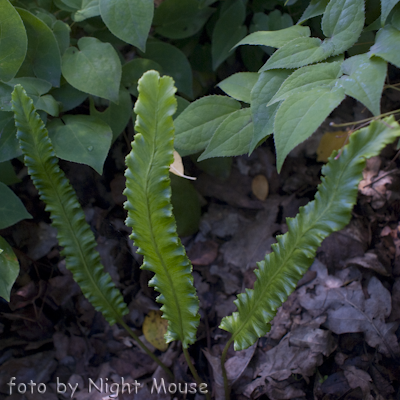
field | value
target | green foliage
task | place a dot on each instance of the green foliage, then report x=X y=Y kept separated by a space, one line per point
x=13 y=50
x=43 y=54
x=95 y=68
x=81 y=138
x=9 y=269
x=150 y=215
x=11 y=208
x=196 y=125
x=228 y=30
x=279 y=272
x=73 y=232
x=239 y=85
x=129 y=21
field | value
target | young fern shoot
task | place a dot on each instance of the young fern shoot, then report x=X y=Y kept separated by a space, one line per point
x=73 y=232
x=278 y=274
x=149 y=207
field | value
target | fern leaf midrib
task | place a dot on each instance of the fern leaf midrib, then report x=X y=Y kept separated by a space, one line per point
x=289 y=256
x=70 y=228
x=153 y=236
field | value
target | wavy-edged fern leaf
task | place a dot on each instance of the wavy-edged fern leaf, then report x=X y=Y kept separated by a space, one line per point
x=149 y=208
x=73 y=232
x=294 y=252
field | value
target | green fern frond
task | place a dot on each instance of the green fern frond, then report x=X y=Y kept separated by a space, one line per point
x=73 y=232
x=149 y=208
x=294 y=252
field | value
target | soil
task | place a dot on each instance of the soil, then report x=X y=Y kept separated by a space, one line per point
x=336 y=337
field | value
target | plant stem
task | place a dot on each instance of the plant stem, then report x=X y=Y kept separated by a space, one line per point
x=224 y=375
x=193 y=370
x=365 y=120
x=145 y=348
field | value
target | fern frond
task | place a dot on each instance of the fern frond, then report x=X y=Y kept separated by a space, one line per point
x=149 y=208
x=73 y=232
x=294 y=252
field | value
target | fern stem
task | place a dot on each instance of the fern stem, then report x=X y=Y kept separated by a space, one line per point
x=193 y=370
x=145 y=348
x=223 y=369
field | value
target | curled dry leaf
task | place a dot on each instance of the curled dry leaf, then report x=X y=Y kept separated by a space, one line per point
x=177 y=167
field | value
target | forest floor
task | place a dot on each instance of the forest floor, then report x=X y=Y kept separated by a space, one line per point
x=336 y=337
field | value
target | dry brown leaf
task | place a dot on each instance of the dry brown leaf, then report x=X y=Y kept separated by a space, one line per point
x=260 y=187
x=348 y=309
x=330 y=141
x=154 y=329
x=177 y=167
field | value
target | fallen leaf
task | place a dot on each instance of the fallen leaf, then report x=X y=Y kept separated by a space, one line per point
x=177 y=167
x=330 y=141
x=358 y=378
x=154 y=329
x=260 y=187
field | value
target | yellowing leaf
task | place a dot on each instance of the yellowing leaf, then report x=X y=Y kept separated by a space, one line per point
x=154 y=329
x=330 y=141
x=260 y=187
x=177 y=167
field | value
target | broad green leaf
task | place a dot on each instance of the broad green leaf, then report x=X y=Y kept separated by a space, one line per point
x=11 y=208
x=128 y=20
x=134 y=69
x=308 y=78
x=182 y=105
x=7 y=173
x=273 y=21
x=386 y=7
x=185 y=206
x=299 y=52
x=362 y=45
x=36 y=89
x=232 y=136
x=62 y=34
x=68 y=96
x=173 y=62
x=95 y=68
x=300 y=115
x=395 y=20
x=13 y=41
x=276 y=38
x=364 y=80
x=179 y=19
x=239 y=85
x=72 y=4
x=263 y=116
x=81 y=138
x=43 y=55
x=49 y=104
x=387 y=45
x=88 y=9
x=9 y=146
x=343 y=22
x=9 y=269
x=228 y=30
x=116 y=115
x=197 y=123
x=315 y=8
